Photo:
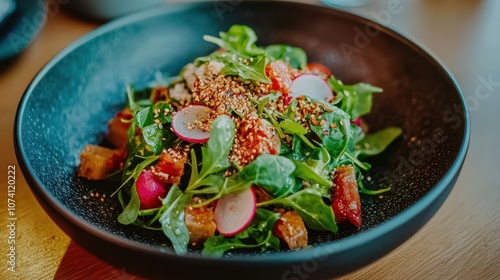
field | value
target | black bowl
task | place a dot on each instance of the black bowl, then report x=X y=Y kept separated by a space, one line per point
x=69 y=102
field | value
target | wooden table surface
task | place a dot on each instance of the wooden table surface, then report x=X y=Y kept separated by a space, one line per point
x=462 y=241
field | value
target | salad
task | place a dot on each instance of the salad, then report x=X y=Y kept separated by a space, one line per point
x=248 y=147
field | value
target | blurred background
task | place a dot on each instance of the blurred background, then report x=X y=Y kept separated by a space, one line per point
x=460 y=242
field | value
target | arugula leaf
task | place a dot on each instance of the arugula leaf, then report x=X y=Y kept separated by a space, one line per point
x=310 y=206
x=257 y=234
x=131 y=211
x=295 y=57
x=137 y=99
x=271 y=172
x=356 y=99
x=215 y=154
x=172 y=219
x=239 y=38
x=377 y=142
x=221 y=187
x=242 y=57
x=253 y=70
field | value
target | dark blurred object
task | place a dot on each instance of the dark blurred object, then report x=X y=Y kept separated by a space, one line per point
x=20 y=22
x=7 y=7
x=105 y=10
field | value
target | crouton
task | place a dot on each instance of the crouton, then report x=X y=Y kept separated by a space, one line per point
x=96 y=162
x=199 y=221
x=170 y=166
x=118 y=128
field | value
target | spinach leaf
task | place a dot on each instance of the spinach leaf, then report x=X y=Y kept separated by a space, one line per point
x=356 y=99
x=311 y=207
x=172 y=219
x=161 y=111
x=307 y=172
x=158 y=137
x=257 y=234
x=271 y=172
x=299 y=150
x=131 y=211
x=215 y=154
x=377 y=142
x=334 y=129
x=239 y=38
x=295 y=57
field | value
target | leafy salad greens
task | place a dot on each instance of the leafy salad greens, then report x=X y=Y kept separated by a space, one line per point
x=241 y=150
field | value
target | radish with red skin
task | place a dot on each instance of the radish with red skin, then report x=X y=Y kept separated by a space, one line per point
x=311 y=86
x=235 y=211
x=357 y=121
x=149 y=190
x=188 y=116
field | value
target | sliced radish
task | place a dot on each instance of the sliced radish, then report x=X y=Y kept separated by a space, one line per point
x=312 y=86
x=149 y=190
x=186 y=123
x=235 y=211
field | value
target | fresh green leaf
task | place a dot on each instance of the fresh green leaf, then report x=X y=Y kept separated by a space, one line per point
x=334 y=129
x=373 y=192
x=222 y=187
x=356 y=161
x=306 y=172
x=291 y=111
x=134 y=166
x=160 y=111
x=271 y=172
x=257 y=235
x=137 y=99
x=356 y=99
x=310 y=206
x=131 y=211
x=295 y=57
x=253 y=70
x=239 y=38
x=172 y=219
x=215 y=154
x=377 y=142
x=292 y=127
x=158 y=137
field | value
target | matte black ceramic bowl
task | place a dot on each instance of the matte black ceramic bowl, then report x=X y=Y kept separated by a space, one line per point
x=70 y=101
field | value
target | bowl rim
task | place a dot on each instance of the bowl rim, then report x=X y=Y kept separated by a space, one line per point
x=336 y=246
